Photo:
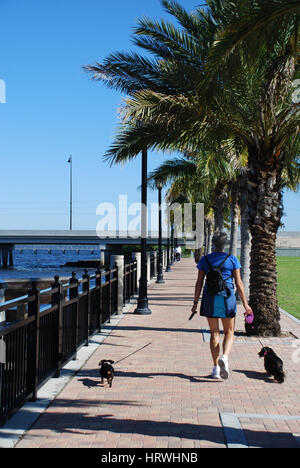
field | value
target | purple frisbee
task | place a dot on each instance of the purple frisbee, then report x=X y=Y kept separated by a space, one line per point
x=249 y=318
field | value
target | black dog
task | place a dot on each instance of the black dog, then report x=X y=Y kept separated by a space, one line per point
x=107 y=371
x=273 y=364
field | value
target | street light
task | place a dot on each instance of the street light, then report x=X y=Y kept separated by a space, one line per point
x=142 y=305
x=71 y=195
x=172 y=244
x=168 y=246
x=160 y=278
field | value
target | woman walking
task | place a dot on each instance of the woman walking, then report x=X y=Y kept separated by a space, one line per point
x=219 y=301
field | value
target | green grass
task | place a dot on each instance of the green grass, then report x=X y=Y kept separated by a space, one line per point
x=289 y=284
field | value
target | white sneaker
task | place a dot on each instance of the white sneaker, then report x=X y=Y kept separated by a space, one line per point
x=224 y=369
x=216 y=373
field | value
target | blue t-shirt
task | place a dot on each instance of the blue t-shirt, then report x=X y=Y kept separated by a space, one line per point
x=215 y=258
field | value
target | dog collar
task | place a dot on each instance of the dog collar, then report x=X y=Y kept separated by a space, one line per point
x=266 y=352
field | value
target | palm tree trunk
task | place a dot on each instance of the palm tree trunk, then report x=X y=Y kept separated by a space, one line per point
x=265 y=212
x=209 y=237
x=219 y=206
x=245 y=232
x=205 y=235
x=219 y=219
x=245 y=253
x=234 y=215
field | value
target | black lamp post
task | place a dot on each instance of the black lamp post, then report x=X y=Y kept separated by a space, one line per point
x=142 y=305
x=168 y=247
x=172 y=244
x=160 y=278
x=71 y=190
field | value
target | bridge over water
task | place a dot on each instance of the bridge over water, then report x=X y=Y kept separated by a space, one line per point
x=111 y=240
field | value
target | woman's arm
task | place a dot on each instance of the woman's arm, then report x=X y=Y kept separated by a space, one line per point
x=240 y=287
x=198 y=289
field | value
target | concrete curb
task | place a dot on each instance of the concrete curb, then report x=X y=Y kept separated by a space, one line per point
x=234 y=433
x=282 y=311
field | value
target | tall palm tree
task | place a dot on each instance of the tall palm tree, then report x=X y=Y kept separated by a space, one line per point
x=259 y=21
x=178 y=106
x=234 y=218
x=259 y=110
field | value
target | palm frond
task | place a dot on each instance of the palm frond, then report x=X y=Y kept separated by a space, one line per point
x=250 y=23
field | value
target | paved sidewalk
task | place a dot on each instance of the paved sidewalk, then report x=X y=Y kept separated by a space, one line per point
x=162 y=395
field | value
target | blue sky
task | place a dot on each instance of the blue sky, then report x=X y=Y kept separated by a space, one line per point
x=54 y=110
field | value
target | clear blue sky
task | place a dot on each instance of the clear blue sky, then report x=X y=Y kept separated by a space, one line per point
x=54 y=110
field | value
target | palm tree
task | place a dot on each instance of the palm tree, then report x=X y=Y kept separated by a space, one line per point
x=258 y=110
x=179 y=106
x=245 y=232
x=234 y=217
x=259 y=21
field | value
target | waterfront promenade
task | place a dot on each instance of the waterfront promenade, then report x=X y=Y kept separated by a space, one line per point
x=162 y=395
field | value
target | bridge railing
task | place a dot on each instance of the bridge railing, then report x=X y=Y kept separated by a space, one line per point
x=49 y=335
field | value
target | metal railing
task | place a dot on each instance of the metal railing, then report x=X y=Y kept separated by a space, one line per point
x=49 y=335
x=129 y=280
x=152 y=265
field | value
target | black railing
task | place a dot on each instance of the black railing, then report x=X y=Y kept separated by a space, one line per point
x=152 y=265
x=129 y=281
x=49 y=335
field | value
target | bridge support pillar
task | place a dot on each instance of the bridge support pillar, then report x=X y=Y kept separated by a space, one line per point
x=6 y=255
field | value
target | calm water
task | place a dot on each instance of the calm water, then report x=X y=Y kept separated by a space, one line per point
x=46 y=265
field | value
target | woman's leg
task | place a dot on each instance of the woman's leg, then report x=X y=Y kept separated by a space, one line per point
x=228 y=325
x=214 y=338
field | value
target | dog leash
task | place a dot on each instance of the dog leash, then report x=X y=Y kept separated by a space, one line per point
x=134 y=352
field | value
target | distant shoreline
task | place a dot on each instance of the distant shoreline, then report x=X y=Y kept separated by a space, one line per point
x=83 y=263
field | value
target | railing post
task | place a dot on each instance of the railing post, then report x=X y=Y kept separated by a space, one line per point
x=148 y=267
x=124 y=283
x=119 y=260
x=135 y=276
x=34 y=309
x=74 y=294
x=130 y=280
x=86 y=288
x=99 y=296
x=137 y=257
x=2 y=362
x=57 y=299
x=155 y=262
x=109 y=295
x=116 y=288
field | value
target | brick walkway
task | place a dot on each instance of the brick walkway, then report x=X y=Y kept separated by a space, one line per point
x=162 y=395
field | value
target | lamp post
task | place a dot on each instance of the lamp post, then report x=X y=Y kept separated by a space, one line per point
x=172 y=244
x=142 y=305
x=71 y=189
x=160 y=278
x=168 y=268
